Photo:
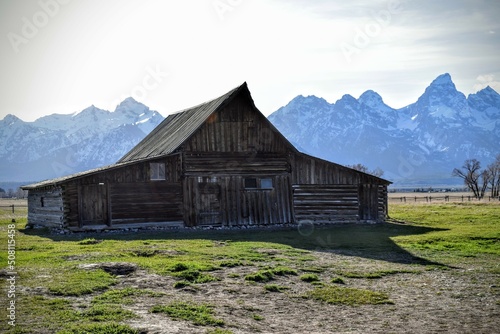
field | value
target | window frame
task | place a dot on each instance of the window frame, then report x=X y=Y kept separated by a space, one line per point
x=270 y=180
x=156 y=173
x=258 y=183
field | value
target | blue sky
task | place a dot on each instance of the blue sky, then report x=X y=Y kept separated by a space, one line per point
x=61 y=56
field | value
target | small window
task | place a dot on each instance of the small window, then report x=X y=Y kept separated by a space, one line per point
x=250 y=183
x=255 y=183
x=42 y=202
x=266 y=183
x=157 y=171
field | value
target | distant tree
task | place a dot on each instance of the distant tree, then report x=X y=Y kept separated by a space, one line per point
x=378 y=172
x=494 y=176
x=472 y=175
x=2 y=192
x=21 y=193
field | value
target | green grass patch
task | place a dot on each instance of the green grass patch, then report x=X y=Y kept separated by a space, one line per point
x=123 y=296
x=373 y=274
x=461 y=229
x=104 y=312
x=337 y=280
x=266 y=275
x=309 y=278
x=179 y=267
x=260 y=276
x=219 y=331
x=316 y=270
x=348 y=296
x=108 y=328
x=76 y=282
x=231 y=263
x=284 y=271
x=195 y=276
x=89 y=241
x=275 y=288
x=42 y=314
x=182 y=284
x=201 y=314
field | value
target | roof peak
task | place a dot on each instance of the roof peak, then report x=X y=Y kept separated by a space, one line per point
x=166 y=138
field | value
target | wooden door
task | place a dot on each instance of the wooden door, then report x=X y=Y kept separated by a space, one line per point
x=209 y=207
x=93 y=205
x=368 y=202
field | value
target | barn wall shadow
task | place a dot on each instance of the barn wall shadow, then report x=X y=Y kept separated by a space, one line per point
x=363 y=240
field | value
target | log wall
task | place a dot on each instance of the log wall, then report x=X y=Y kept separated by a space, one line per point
x=145 y=202
x=326 y=203
x=328 y=192
x=45 y=207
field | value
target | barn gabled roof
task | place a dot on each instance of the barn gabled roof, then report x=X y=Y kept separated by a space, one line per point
x=169 y=135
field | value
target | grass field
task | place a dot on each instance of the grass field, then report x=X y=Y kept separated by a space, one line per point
x=433 y=268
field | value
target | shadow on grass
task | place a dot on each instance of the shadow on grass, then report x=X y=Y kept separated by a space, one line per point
x=372 y=241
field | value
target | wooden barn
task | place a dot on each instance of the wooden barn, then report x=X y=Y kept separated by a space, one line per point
x=221 y=163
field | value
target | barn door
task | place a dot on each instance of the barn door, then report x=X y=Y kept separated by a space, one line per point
x=368 y=202
x=93 y=205
x=209 y=208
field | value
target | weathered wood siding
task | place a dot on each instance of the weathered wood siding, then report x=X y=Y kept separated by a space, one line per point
x=45 y=207
x=368 y=202
x=224 y=201
x=147 y=202
x=237 y=163
x=310 y=170
x=383 y=208
x=237 y=127
x=326 y=203
x=235 y=143
x=125 y=195
x=328 y=192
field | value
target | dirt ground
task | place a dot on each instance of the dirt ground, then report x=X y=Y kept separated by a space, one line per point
x=463 y=299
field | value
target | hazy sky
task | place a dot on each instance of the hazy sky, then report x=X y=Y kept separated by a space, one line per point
x=63 y=56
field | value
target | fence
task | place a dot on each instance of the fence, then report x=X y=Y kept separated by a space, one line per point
x=430 y=199
x=14 y=206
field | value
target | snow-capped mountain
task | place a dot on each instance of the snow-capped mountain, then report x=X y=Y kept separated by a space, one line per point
x=416 y=145
x=57 y=145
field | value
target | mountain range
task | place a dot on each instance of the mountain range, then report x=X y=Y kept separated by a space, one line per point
x=59 y=144
x=418 y=145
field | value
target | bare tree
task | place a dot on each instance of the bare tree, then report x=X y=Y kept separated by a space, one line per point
x=378 y=172
x=494 y=176
x=471 y=174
